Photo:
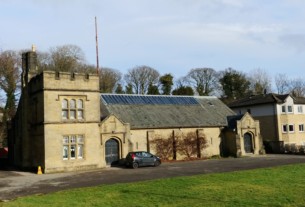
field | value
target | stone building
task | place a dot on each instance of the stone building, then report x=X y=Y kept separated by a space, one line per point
x=282 y=119
x=63 y=123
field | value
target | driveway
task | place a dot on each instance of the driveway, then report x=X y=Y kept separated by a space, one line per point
x=15 y=184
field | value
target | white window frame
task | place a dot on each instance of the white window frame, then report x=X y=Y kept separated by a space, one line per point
x=289 y=107
x=300 y=109
x=301 y=127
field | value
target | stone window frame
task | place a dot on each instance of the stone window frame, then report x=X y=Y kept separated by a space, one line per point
x=73 y=108
x=73 y=147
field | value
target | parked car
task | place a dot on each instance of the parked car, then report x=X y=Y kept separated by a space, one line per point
x=141 y=158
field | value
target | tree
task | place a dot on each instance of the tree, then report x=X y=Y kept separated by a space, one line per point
x=297 y=87
x=43 y=61
x=234 y=84
x=153 y=90
x=67 y=58
x=128 y=89
x=119 y=89
x=140 y=77
x=10 y=64
x=260 y=81
x=109 y=78
x=166 y=82
x=204 y=80
x=164 y=147
x=183 y=90
x=281 y=83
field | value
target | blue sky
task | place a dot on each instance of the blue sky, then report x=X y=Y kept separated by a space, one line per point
x=172 y=36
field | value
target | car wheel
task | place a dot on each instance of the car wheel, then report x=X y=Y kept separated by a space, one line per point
x=157 y=163
x=135 y=165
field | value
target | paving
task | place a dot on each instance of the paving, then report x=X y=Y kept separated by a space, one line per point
x=14 y=184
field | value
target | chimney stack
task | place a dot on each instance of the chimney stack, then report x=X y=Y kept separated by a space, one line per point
x=29 y=65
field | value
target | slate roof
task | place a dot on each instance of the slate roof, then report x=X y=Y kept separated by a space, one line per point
x=270 y=98
x=232 y=120
x=148 y=111
x=299 y=100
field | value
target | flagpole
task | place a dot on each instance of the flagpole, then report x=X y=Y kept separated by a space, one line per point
x=96 y=42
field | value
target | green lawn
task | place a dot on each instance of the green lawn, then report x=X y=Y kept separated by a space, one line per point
x=279 y=186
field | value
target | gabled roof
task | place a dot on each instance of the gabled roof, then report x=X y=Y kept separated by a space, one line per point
x=148 y=111
x=270 y=98
x=232 y=120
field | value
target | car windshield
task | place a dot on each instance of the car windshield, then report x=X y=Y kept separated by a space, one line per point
x=146 y=154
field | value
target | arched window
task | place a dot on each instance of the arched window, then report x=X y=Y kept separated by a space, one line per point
x=72 y=104
x=64 y=107
x=80 y=109
x=72 y=109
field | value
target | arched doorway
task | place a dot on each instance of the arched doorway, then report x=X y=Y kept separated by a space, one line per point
x=112 y=151
x=248 y=143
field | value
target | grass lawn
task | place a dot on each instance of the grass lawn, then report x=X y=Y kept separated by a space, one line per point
x=278 y=186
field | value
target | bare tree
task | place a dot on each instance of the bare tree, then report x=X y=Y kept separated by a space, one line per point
x=164 y=146
x=43 y=61
x=191 y=145
x=203 y=80
x=297 y=87
x=141 y=77
x=68 y=58
x=259 y=81
x=281 y=83
x=109 y=78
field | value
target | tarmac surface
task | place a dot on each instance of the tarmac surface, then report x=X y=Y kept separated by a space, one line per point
x=14 y=184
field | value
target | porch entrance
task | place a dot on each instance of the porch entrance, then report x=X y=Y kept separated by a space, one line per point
x=248 y=144
x=112 y=151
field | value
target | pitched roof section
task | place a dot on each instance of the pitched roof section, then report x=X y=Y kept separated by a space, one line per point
x=155 y=100
x=299 y=100
x=232 y=120
x=146 y=111
x=259 y=99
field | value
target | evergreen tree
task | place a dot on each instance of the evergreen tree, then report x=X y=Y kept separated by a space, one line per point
x=153 y=90
x=166 y=83
x=128 y=89
x=234 y=85
x=183 y=90
x=119 y=89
